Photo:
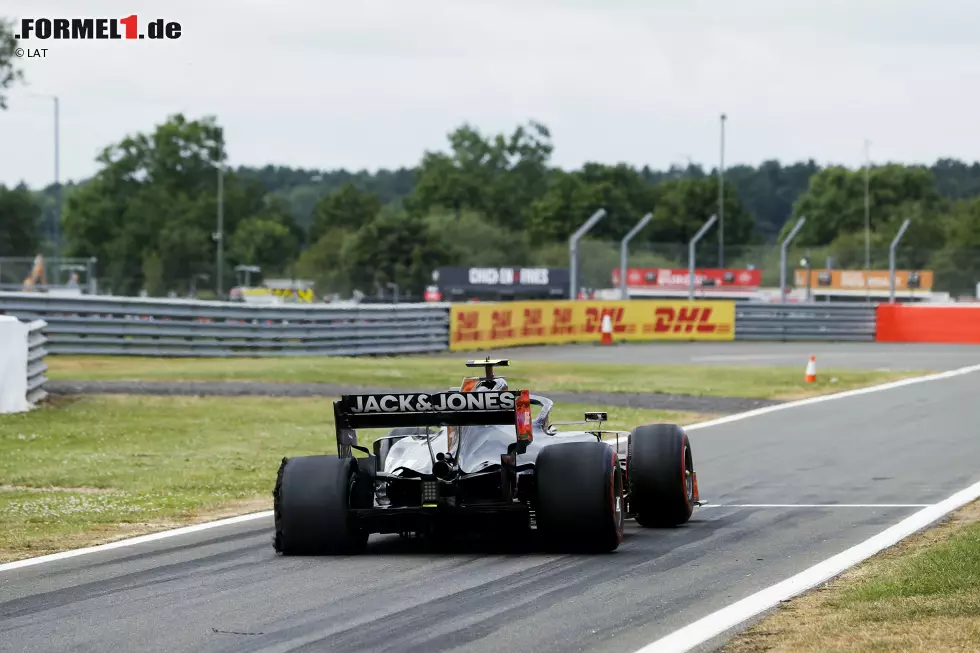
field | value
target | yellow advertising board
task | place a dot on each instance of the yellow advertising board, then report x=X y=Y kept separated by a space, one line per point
x=485 y=326
x=302 y=295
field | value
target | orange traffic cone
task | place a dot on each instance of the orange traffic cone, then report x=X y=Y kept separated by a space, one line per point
x=810 y=375
x=607 y=338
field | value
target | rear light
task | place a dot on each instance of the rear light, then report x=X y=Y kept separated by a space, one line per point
x=524 y=416
x=430 y=492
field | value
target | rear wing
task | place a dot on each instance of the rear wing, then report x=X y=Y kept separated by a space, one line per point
x=498 y=407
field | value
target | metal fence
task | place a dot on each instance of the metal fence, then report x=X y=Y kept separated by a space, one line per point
x=56 y=273
x=36 y=367
x=157 y=327
x=817 y=321
x=168 y=327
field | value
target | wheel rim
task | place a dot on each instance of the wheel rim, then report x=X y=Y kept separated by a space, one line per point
x=688 y=476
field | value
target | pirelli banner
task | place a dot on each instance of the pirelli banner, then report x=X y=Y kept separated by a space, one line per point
x=504 y=324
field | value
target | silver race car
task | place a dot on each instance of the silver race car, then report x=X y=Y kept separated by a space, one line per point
x=481 y=457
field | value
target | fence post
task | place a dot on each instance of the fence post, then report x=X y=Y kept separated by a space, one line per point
x=782 y=258
x=690 y=251
x=624 y=252
x=891 y=259
x=573 y=249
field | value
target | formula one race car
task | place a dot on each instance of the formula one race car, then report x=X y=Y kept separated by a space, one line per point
x=472 y=459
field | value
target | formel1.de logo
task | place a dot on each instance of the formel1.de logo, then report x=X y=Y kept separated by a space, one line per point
x=80 y=29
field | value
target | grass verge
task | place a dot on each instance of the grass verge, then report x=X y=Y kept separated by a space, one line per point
x=920 y=596
x=423 y=372
x=93 y=469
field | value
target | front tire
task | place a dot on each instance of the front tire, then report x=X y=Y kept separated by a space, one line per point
x=660 y=474
x=579 y=505
x=311 y=504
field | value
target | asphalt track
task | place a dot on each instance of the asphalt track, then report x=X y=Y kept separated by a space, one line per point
x=850 y=355
x=225 y=590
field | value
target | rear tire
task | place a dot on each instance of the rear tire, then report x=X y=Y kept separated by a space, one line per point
x=579 y=505
x=311 y=503
x=659 y=471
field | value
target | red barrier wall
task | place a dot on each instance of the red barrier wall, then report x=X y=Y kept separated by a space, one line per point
x=924 y=323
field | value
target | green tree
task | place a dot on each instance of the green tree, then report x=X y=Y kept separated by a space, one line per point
x=473 y=241
x=323 y=262
x=565 y=205
x=301 y=189
x=769 y=191
x=395 y=247
x=153 y=275
x=157 y=193
x=682 y=208
x=834 y=202
x=957 y=265
x=955 y=179
x=19 y=222
x=263 y=242
x=497 y=176
x=571 y=197
x=345 y=208
x=9 y=71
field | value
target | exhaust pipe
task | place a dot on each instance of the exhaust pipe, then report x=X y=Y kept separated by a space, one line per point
x=443 y=468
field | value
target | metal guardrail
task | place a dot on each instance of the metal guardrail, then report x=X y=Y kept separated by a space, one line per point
x=36 y=367
x=816 y=321
x=169 y=327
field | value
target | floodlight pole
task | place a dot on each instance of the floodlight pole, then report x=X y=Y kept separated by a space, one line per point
x=690 y=251
x=891 y=259
x=220 y=233
x=624 y=251
x=782 y=258
x=573 y=249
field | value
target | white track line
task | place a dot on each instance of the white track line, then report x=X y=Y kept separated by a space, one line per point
x=718 y=622
x=765 y=410
x=816 y=505
x=727 y=618
x=152 y=537
x=258 y=515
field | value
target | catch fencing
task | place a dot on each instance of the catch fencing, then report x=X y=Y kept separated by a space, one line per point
x=167 y=327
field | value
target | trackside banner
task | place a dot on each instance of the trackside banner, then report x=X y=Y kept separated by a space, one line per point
x=482 y=326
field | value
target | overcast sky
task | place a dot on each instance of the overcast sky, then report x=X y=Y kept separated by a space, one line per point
x=373 y=83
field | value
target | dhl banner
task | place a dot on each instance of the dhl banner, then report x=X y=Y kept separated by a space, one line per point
x=485 y=326
x=865 y=279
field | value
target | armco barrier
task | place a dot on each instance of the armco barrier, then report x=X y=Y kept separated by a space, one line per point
x=157 y=327
x=805 y=322
x=168 y=327
x=957 y=324
x=36 y=367
x=505 y=324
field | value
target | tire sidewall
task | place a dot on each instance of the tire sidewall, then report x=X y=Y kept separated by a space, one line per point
x=657 y=475
x=312 y=506
x=579 y=484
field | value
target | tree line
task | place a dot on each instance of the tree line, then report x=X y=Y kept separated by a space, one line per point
x=148 y=214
